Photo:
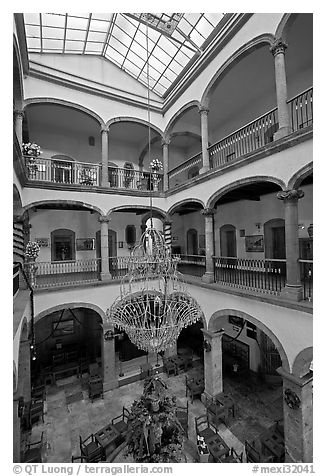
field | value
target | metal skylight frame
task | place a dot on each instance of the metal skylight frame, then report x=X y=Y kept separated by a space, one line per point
x=120 y=38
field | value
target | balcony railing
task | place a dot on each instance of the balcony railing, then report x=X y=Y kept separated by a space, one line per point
x=58 y=273
x=118 y=266
x=186 y=170
x=62 y=171
x=268 y=276
x=306 y=268
x=134 y=179
x=251 y=137
x=194 y=265
x=301 y=111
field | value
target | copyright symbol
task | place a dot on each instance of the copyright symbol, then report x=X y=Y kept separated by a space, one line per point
x=17 y=469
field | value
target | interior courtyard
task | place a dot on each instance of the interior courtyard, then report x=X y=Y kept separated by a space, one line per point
x=163 y=161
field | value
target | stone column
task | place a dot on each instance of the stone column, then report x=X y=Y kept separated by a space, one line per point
x=209 y=243
x=213 y=363
x=293 y=288
x=19 y=116
x=204 y=138
x=105 y=271
x=110 y=380
x=165 y=146
x=278 y=51
x=16 y=432
x=24 y=370
x=105 y=155
x=167 y=233
x=298 y=417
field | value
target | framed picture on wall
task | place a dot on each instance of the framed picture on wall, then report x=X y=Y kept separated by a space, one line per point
x=85 y=244
x=255 y=243
x=120 y=244
x=63 y=328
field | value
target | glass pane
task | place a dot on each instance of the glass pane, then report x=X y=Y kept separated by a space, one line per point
x=34 y=43
x=33 y=18
x=52 y=44
x=78 y=23
x=52 y=32
x=94 y=48
x=75 y=45
x=50 y=19
x=32 y=30
x=75 y=35
x=95 y=36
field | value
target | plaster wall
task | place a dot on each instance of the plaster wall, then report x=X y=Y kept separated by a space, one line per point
x=293 y=328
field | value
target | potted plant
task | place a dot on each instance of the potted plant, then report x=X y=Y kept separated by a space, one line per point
x=31 y=151
x=202 y=449
x=31 y=253
x=156 y=166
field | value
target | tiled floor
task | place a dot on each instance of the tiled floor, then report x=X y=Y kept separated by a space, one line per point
x=257 y=407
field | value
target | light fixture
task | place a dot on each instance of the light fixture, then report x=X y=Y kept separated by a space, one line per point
x=153 y=306
x=310 y=230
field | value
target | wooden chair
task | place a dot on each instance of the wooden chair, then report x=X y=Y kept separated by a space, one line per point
x=233 y=457
x=79 y=458
x=215 y=412
x=36 y=412
x=95 y=387
x=33 y=452
x=195 y=387
x=169 y=367
x=203 y=427
x=38 y=393
x=254 y=454
x=120 y=423
x=90 y=450
x=182 y=416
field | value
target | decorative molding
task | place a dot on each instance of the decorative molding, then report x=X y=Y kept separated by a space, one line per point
x=104 y=129
x=291 y=399
x=292 y=195
x=104 y=219
x=203 y=110
x=208 y=212
x=279 y=46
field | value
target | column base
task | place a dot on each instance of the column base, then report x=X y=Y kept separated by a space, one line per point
x=204 y=169
x=110 y=385
x=106 y=276
x=282 y=132
x=208 y=277
x=293 y=293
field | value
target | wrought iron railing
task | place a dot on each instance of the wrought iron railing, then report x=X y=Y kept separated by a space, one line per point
x=58 y=273
x=194 y=265
x=268 y=275
x=118 y=266
x=306 y=269
x=131 y=179
x=186 y=170
x=301 y=110
x=247 y=139
x=62 y=171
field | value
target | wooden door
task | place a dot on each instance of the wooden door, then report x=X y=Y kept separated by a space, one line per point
x=278 y=242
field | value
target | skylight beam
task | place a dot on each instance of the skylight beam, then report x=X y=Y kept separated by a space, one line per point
x=132 y=40
x=109 y=33
x=65 y=33
x=41 y=37
x=87 y=32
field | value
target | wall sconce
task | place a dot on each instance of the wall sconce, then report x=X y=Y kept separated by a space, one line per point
x=207 y=346
x=258 y=225
x=301 y=226
x=310 y=230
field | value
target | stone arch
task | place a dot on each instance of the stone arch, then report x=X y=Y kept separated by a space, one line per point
x=213 y=325
x=179 y=113
x=284 y=26
x=244 y=181
x=157 y=210
x=145 y=150
x=17 y=201
x=245 y=50
x=59 y=202
x=63 y=102
x=137 y=120
x=186 y=200
x=147 y=215
x=299 y=176
x=22 y=339
x=302 y=362
x=72 y=305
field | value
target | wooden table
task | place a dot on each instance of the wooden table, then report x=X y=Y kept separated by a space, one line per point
x=195 y=388
x=61 y=370
x=217 y=447
x=228 y=402
x=216 y=411
x=274 y=444
x=106 y=438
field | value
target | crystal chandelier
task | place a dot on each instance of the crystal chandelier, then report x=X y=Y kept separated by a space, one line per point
x=154 y=305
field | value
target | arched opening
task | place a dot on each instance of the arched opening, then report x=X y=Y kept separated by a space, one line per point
x=251 y=355
x=63 y=245
x=190 y=341
x=68 y=341
x=192 y=242
x=228 y=241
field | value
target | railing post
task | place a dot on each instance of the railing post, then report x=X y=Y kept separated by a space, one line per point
x=203 y=111
x=208 y=213
x=19 y=116
x=165 y=146
x=278 y=51
x=293 y=287
x=105 y=271
x=105 y=155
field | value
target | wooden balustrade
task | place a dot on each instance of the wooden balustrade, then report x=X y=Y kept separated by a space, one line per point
x=134 y=179
x=266 y=275
x=118 y=266
x=306 y=269
x=195 y=265
x=301 y=111
x=186 y=170
x=59 y=273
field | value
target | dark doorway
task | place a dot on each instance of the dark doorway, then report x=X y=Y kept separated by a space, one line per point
x=278 y=239
x=228 y=241
x=63 y=245
x=192 y=242
x=274 y=236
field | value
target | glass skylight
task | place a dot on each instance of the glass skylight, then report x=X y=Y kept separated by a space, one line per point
x=158 y=45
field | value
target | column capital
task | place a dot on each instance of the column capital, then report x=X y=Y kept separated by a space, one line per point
x=19 y=113
x=207 y=212
x=167 y=222
x=203 y=110
x=213 y=334
x=279 y=46
x=104 y=129
x=165 y=141
x=103 y=219
x=290 y=195
x=18 y=219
